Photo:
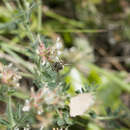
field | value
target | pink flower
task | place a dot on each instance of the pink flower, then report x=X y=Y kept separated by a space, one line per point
x=36 y=97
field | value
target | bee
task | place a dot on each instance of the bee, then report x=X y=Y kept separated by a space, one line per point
x=57 y=66
x=51 y=55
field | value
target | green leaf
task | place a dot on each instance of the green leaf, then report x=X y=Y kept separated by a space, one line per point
x=4 y=122
x=92 y=114
x=60 y=122
x=94 y=77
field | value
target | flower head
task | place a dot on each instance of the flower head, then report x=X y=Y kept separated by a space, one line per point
x=9 y=75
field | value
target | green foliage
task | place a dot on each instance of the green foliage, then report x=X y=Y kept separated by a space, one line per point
x=93 y=78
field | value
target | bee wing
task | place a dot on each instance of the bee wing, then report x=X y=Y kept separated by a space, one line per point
x=68 y=64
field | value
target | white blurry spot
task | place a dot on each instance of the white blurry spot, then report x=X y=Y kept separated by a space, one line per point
x=27 y=106
x=72 y=49
x=37 y=51
x=50 y=98
x=58 y=43
x=27 y=101
x=18 y=84
x=43 y=62
x=41 y=128
x=104 y=79
x=27 y=4
x=57 y=58
x=76 y=80
x=10 y=65
x=19 y=77
x=14 y=78
x=80 y=104
x=16 y=128
x=25 y=128
x=58 y=39
x=39 y=112
x=59 y=53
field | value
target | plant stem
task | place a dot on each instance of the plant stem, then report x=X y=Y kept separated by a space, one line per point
x=30 y=34
x=108 y=117
x=12 y=122
x=19 y=4
x=21 y=95
x=25 y=25
x=8 y=5
x=39 y=15
x=62 y=19
x=80 y=30
x=80 y=123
